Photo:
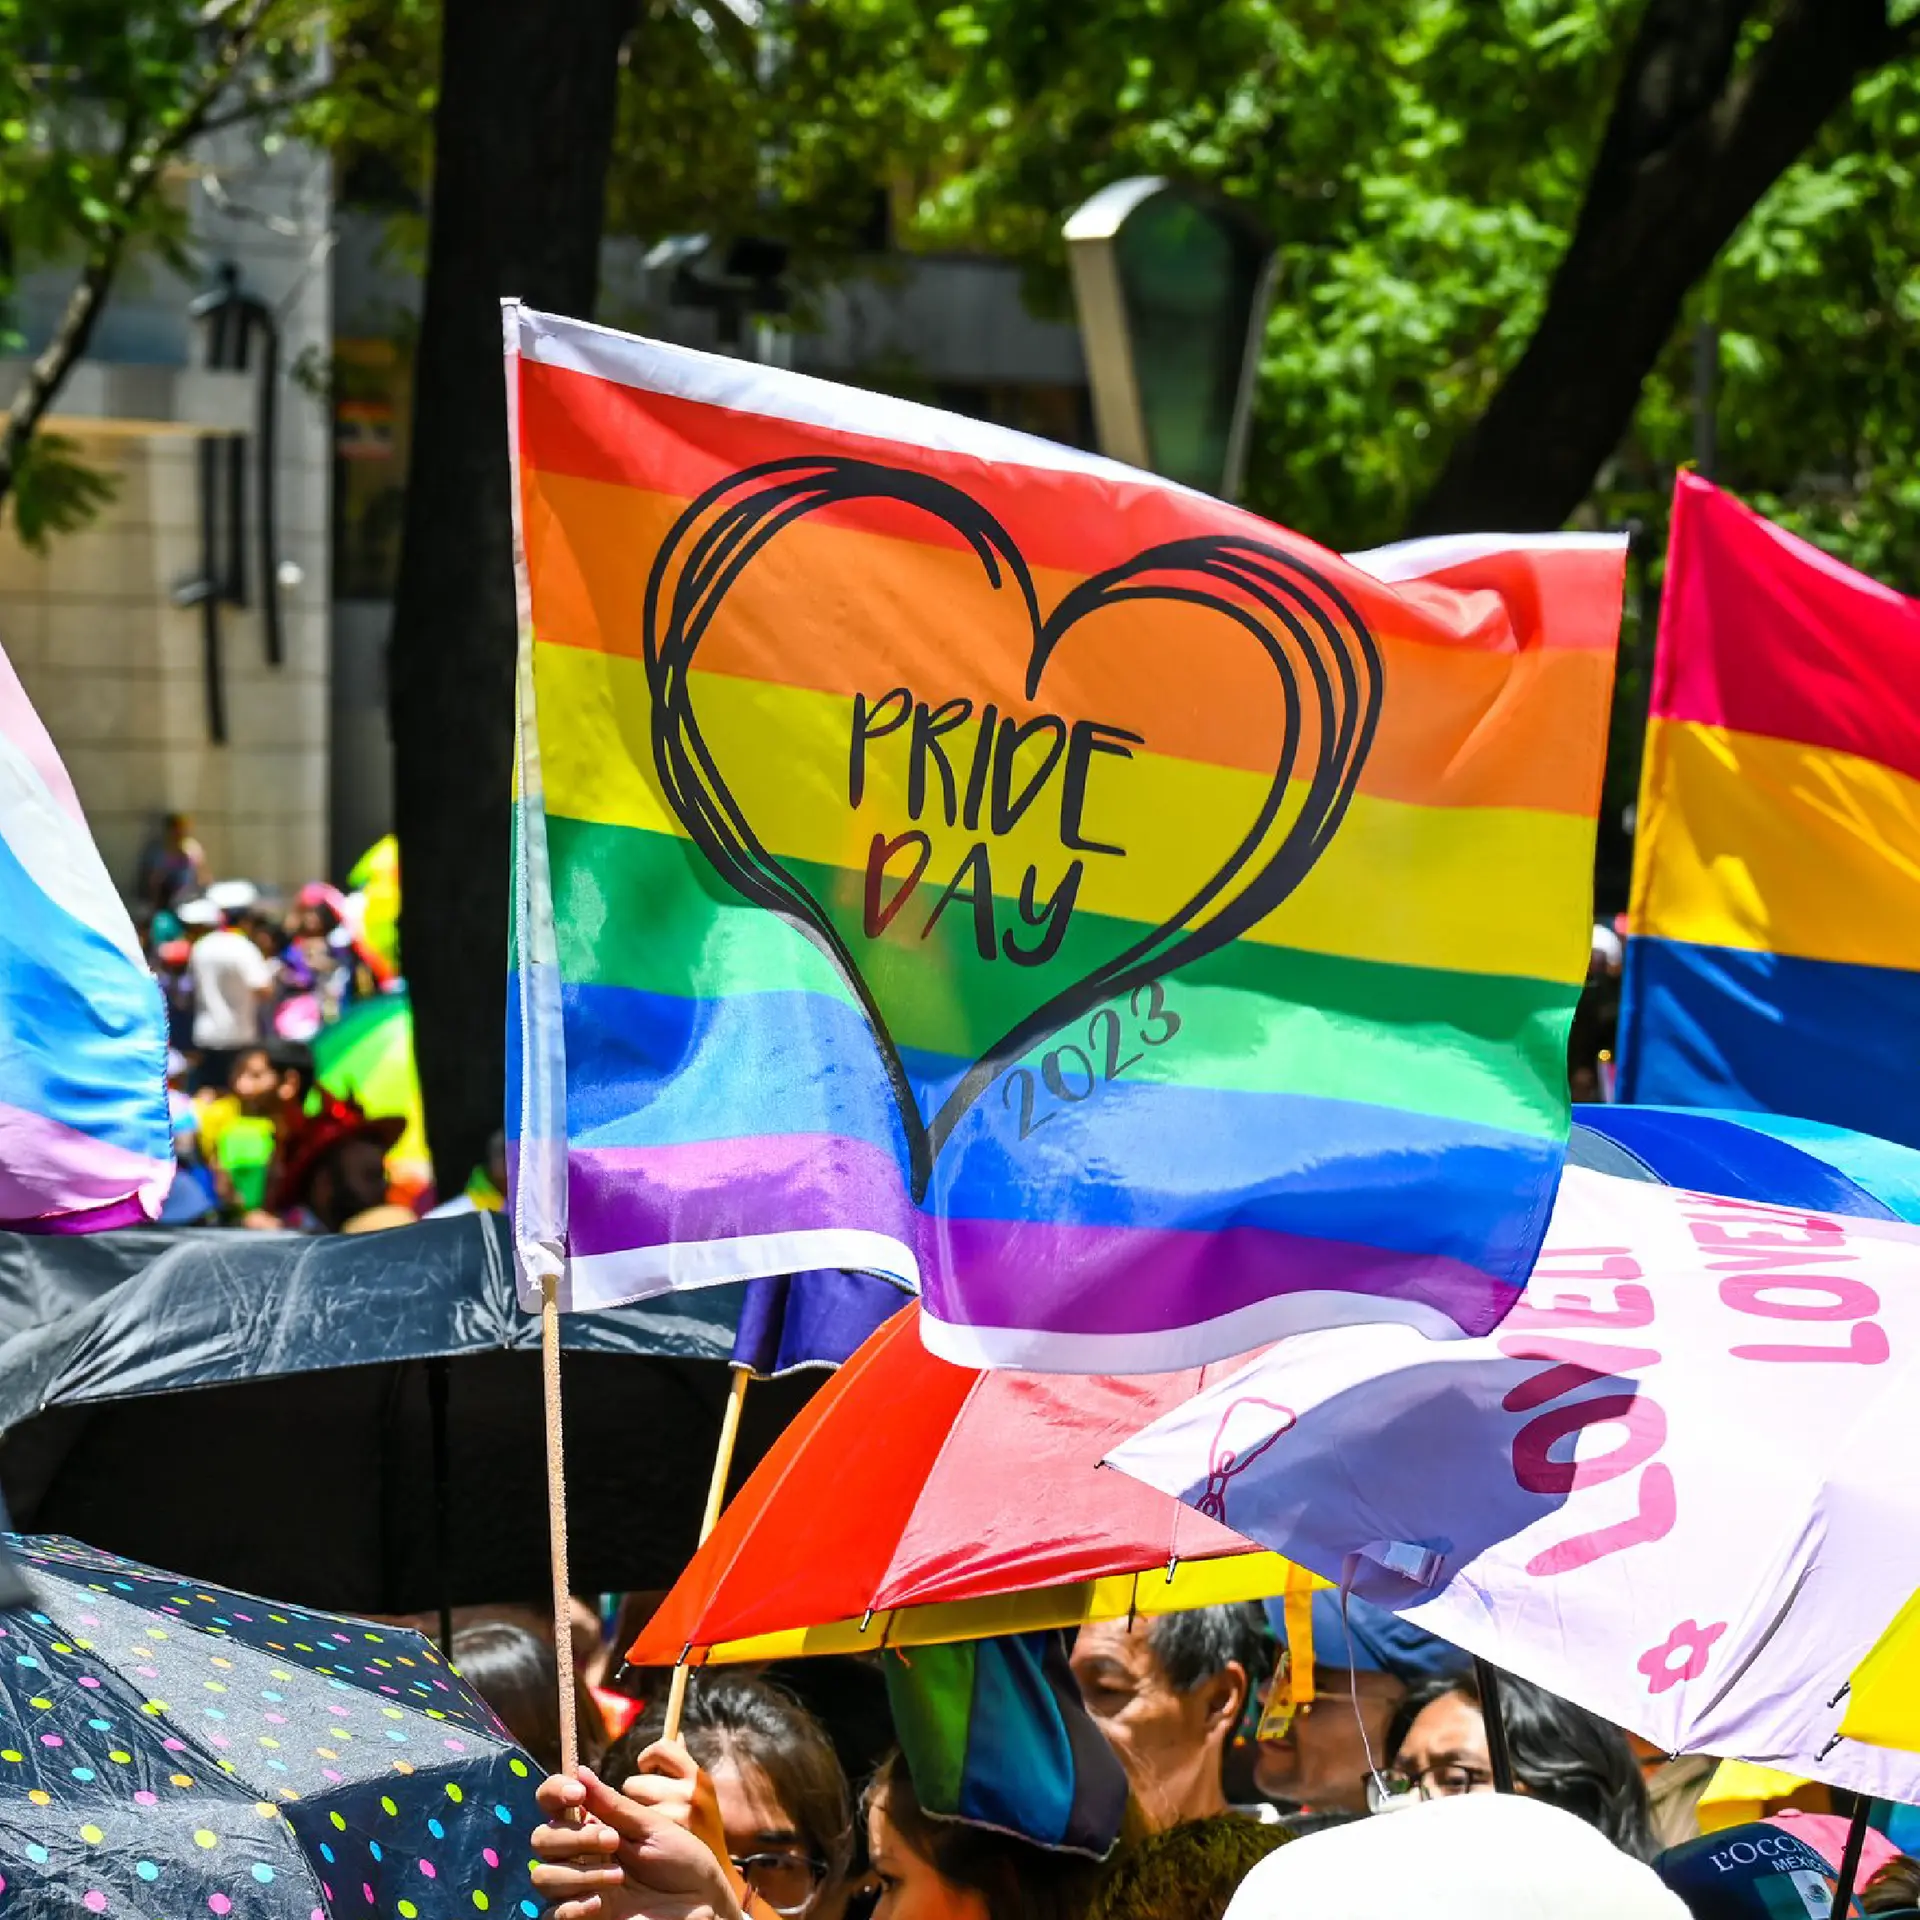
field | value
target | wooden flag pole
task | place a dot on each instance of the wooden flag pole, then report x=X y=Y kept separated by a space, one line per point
x=557 y=1521
x=716 y=1499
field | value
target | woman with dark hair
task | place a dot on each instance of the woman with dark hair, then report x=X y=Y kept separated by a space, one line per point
x=514 y=1672
x=1562 y=1754
x=755 y=1776
x=1003 y=1804
x=934 y=1869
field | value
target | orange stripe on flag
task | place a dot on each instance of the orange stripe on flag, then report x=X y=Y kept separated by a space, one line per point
x=1464 y=726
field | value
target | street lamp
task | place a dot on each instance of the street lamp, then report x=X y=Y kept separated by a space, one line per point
x=1172 y=288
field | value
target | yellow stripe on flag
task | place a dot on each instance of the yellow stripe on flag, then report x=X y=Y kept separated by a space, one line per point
x=1775 y=847
x=1474 y=890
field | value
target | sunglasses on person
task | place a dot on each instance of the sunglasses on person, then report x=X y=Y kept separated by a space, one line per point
x=787 y=1882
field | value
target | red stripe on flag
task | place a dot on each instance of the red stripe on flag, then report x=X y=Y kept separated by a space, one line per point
x=1763 y=633
x=588 y=428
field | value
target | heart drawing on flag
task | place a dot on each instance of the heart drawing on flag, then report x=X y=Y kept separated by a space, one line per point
x=1326 y=662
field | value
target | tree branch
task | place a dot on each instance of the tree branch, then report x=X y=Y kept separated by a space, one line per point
x=1694 y=139
x=141 y=163
x=261 y=107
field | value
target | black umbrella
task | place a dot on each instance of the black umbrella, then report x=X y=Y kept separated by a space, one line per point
x=13 y=1588
x=43 y=1275
x=265 y=1408
x=169 y=1748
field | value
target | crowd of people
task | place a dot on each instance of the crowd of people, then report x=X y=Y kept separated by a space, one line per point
x=251 y=982
x=782 y=1799
x=785 y=1795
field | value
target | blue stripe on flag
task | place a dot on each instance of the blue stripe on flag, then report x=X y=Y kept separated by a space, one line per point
x=1721 y=1027
x=85 y=1036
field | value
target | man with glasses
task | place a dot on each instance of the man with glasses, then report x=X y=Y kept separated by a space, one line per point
x=1561 y=1753
x=1443 y=1754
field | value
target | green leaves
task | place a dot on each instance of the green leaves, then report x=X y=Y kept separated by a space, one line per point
x=1420 y=164
x=1818 y=302
x=55 y=492
x=98 y=98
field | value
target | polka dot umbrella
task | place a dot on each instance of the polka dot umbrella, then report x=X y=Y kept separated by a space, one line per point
x=171 y=1750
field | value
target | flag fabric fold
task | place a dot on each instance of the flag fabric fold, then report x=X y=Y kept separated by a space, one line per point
x=957 y=857
x=85 y=1140
x=1773 y=957
x=819 y=1319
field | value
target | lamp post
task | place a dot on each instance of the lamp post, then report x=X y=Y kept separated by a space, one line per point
x=1172 y=288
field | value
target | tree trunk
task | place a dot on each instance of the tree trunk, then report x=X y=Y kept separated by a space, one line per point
x=522 y=136
x=1696 y=135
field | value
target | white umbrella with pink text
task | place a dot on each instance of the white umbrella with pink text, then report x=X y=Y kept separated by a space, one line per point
x=1678 y=1485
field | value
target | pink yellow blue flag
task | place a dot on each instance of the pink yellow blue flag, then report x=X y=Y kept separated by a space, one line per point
x=1773 y=958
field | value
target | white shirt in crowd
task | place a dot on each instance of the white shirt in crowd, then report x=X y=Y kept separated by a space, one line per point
x=230 y=976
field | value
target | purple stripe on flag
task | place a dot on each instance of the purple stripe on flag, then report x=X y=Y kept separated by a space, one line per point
x=48 y=1170
x=1119 y=1280
x=1100 y=1279
x=621 y=1197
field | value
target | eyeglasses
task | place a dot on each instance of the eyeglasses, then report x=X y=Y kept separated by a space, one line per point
x=787 y=1882
x=1398 y=1787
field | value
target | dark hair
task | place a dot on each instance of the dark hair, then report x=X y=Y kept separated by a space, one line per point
x=514 y=1672
x=748 y=1720
x=1894 y=1889
x=1187 y=1872
x=1562 y=1754
x=1193 y=1646
x=291 y=1056
x=1016 y=1878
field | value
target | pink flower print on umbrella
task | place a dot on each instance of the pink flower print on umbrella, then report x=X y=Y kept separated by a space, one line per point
x=1683 y=1655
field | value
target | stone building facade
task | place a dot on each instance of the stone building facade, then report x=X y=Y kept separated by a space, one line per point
x=105 y=630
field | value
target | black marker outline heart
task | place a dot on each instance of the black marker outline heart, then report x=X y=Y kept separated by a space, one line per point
x=1296 y=613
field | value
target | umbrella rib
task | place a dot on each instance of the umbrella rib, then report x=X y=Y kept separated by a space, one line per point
x=1760 y=1645
x=886 y=1597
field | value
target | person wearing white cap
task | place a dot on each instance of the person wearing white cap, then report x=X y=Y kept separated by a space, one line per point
x=1481 y=1856
x=232 y=983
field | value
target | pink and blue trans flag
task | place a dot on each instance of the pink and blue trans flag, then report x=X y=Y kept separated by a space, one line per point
x=85 y=1141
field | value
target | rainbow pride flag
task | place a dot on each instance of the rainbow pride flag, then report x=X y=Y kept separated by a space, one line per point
x=85 y=1140
x=955 y=856
x=1773 y=954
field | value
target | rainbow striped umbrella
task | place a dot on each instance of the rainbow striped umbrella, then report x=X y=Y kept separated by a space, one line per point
x=367 y=1055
